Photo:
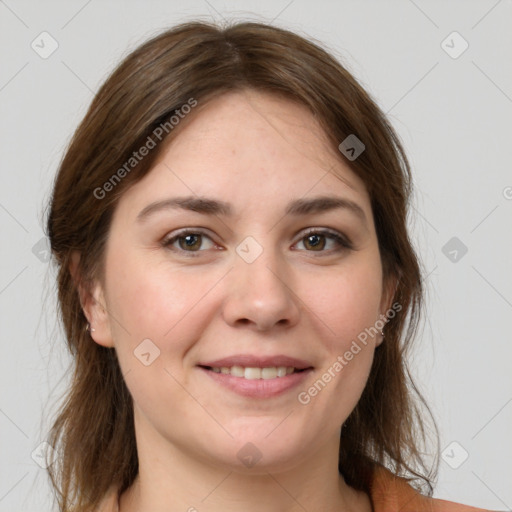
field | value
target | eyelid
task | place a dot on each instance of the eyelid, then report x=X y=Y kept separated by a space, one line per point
x=319 y=229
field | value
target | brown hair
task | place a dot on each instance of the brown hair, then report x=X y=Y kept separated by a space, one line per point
x=93 y=433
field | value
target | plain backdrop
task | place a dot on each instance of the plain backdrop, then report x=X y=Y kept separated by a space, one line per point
x=440 y=70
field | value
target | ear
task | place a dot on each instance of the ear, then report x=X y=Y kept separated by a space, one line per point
x=92 y=300
x=389 y=287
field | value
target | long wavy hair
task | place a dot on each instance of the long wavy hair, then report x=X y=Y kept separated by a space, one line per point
x=92 y=432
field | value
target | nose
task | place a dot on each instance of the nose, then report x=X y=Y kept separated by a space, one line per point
x=260 y=294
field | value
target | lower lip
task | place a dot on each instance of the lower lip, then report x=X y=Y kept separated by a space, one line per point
x=259 y=388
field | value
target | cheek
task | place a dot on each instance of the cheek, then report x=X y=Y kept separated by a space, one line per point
x=146 y=296
x=347 y=304
x=346 y=307
x=154 y=317
x=154 y=301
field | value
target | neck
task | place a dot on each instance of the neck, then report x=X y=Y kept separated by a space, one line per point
x=170 y=478
x=232 y=492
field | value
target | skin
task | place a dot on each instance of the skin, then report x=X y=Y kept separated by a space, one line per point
x=257 y=152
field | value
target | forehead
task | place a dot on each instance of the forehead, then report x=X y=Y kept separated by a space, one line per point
x=250 y=146
x=255 y=123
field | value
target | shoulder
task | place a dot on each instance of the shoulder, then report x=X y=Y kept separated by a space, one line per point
x=390 y=493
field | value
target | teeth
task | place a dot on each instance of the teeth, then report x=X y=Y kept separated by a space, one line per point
x=256 y=373
x=237 y=371
x=269 y=373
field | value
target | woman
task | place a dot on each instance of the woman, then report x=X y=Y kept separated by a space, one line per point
x=237 y=286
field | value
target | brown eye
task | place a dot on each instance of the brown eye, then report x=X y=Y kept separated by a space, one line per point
x=188 y=242
x=192 y=242
x=316 y=241
x=324 y=241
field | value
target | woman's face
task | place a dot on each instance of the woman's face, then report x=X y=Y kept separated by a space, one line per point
x=191 y=283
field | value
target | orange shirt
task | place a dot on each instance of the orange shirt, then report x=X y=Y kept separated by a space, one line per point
x=388 y=493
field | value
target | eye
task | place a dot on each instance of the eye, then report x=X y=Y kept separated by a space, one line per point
x=318 y=239
x=314 y=240
x=188 y=241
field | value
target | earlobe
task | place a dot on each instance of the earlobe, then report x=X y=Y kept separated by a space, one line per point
x=92 y=301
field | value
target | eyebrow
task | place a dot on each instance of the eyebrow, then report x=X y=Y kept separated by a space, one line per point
x=209 y=206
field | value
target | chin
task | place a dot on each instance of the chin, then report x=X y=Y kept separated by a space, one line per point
x=259 y=449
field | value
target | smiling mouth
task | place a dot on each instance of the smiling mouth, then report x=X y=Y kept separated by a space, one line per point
x=253 y=373
x=257 y=382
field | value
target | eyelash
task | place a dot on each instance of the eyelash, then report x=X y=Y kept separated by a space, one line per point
x=343 y=242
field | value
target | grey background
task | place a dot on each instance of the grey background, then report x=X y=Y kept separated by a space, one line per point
x=453 y=115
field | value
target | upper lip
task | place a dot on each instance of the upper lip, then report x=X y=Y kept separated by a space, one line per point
x=253 y=361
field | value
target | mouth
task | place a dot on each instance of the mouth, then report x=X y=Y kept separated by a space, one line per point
x=254 y=377
x=253 y=373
